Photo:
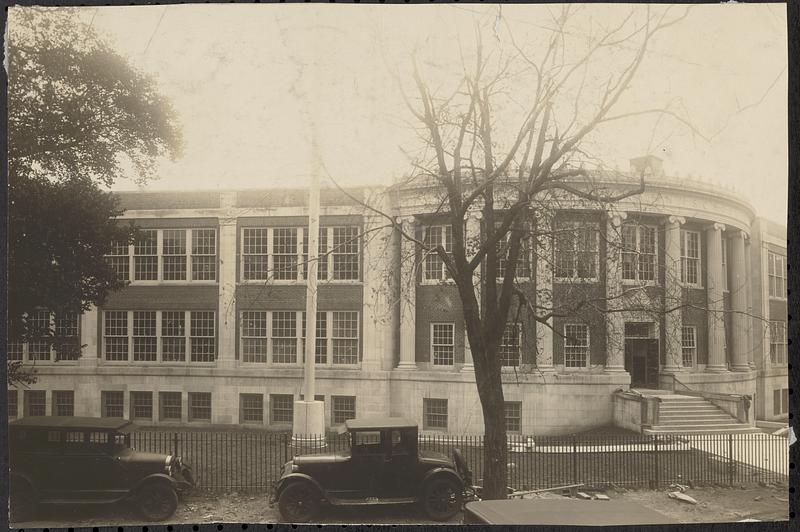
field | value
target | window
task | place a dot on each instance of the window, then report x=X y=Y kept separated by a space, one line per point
x=576 y=345
x=284 y=253
x=173 y=336
x=144 y=336
x=115 y=334
x=204 y=255
x=777 y=275
x=777 y=343
x=345 y=337
x=169 y=405
x=513 y=416
x=15 y=350
x=63 y=403
x=112 y=404
x=251 y=408
x=523 y=260
x=639 y=253
x=437 y=235
x=443 y=344
x=119 y=260
x=145 y=256
x=434 y=414
x=576 y=255
x=321 y=351
x=67 y=341
x=780 y=401
x=690 y=257
x=136 y=332
x=281 y=411
x=254 y=336
x=342 y=409
x=284 y=337
x=281 y=253
x=510 y=344
x=35 y=403
x=254 y=254
x=173 y=255
x=13 y=406
x=345 y=253
x=167 y=255
x=639 y=329
x=142 y=405
x=39 y=327
x=203 y=338
x=688 y=346
x=199 y=406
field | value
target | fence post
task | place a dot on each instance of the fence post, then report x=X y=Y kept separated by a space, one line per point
x=656 y=472
x=574 y=459
x=175 y=444
x=730 y=459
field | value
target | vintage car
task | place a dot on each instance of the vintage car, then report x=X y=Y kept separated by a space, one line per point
x=89 y=460
x=383 y=465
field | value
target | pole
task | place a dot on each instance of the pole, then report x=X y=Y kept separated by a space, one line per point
x=311 y=279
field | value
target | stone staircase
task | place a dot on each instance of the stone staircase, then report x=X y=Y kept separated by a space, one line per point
x=681 y=414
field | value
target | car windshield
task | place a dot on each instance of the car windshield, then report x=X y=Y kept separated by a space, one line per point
x=366 y=441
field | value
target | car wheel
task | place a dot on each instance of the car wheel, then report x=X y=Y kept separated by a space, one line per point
x=157 y=502
x=22 y=501
x=442 y=498
x=299 y=502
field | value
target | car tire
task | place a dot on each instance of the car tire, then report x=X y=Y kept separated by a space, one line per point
x=299 y=502
x=442 y=497
x=22 y=501
x=157 y=501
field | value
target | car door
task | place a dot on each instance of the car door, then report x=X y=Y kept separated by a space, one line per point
x=399 y=469
x=367 y=463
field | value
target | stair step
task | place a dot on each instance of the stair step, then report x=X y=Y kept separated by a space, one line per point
x=705 y=426
x=696 y=421
x=668 y=431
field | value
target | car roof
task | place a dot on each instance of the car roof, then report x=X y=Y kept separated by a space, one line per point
x=71 y=422
x=380 y=423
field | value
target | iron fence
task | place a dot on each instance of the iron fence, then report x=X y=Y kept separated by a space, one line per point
x=251 y=461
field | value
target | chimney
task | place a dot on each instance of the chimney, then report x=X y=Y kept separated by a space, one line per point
x=650 y=165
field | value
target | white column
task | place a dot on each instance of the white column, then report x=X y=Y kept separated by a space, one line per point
x=738 y=291
x=673 y=293
x=407 y=295
x=749 y=295
x=544 y=293
x=473 y=242
x=377 y=269
x=227 y=292
x=716 y=314
x=615 y=324
x=90 y=351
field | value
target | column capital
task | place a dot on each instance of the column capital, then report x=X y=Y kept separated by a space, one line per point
x=404 y=219
x=739 y=234
x=617 y=218
x=676 y=220
x=716 y=226
x=227 y=220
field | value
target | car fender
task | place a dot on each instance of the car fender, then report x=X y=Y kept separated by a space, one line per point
x=21 y=477
x=441 y=471
x=156 y=477
x=293 y=477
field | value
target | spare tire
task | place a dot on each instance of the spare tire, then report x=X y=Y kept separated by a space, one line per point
x=461 y=466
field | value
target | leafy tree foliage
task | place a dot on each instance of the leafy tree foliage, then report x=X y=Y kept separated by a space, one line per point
x=80 y=116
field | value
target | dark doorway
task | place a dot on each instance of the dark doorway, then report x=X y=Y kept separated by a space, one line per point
x=641 y=361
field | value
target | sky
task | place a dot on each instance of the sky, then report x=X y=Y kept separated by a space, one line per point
x=256 y=85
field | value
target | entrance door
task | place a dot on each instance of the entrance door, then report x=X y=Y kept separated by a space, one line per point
x=641 y=361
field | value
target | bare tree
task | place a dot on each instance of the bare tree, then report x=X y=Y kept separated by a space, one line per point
x=516 y=174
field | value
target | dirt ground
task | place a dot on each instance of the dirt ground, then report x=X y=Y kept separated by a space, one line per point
x=767 y=503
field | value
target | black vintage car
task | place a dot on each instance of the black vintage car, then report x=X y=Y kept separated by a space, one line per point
x=89 y=460
x=383 y=465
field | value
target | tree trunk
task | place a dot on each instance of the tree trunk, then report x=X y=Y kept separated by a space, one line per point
x=495 y=448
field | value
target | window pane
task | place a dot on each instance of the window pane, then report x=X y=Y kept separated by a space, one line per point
x=118 y=259
x=281 y=409
x=254 y=251
x=342 y=409
x=145 y=250
x=174 y=254
x=576 y=345
x=199 y=406
x=346 y=253
x=252 y=407
x=35 y=403
x=173 y=336
x=254 y=336
x=442 y=344
x=434 y=413
x=284 y=337
x=203 y=339
x=112 y=403
x=144 y=336
x=284 y=253
x=204 y=254
x=142 y=405
x=513 y=411
x=67 y=340
x=345 y=337
x=115 y=334
x=170 y=406
x=63 y=403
